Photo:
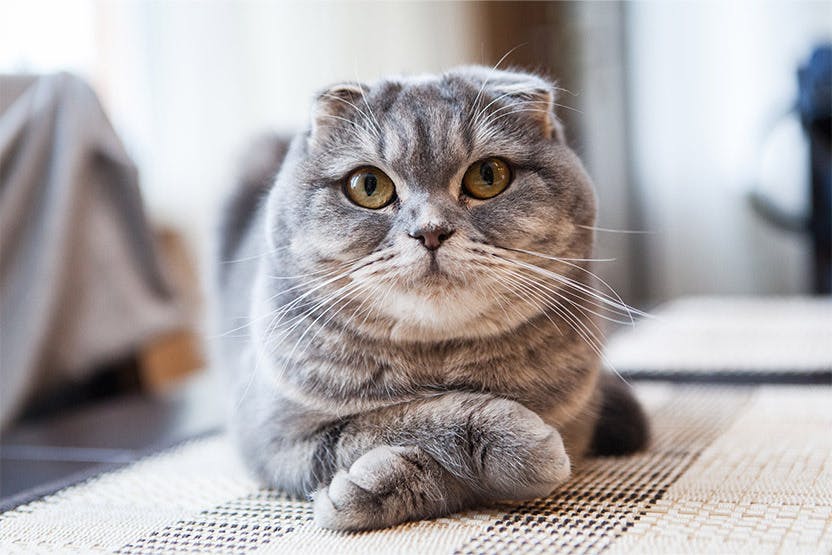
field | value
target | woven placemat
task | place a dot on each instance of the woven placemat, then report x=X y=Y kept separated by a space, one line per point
x=731 y=470
x=729 y=339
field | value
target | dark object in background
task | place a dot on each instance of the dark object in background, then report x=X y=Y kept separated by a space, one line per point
x=119 y=377
x=814 y=105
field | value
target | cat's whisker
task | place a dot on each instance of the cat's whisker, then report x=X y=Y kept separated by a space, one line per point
x=319 y=274
x=375 y=121
x=250 y=380
x=272 y=342
x=594 y=343
x=361 y=133
x=576 y=285
x=254 y=256
x=374 y=128
x=292 y=324
x=568 y=108
x=494 y=119
x=565 y=294
x=614 y=300
x=562 y=294
x=363 y=289
x=614 y=303
x=374 y=302
x=512 y=105
x=355 y=286
x=319 y=283
x=567 y=91
x=531 y=294
x=576 y=290
x=577 y=325
x=543 y=295
x=272 y=314
x=558 y=258
x=313 y=279
x=493 y=69
x=368 y=291
x=607 y=230
x=498 y=296
x=293 y=305
x=565 y=291
x=582 y=329
x=477 y=121
x=350 y=273
x=280 y=324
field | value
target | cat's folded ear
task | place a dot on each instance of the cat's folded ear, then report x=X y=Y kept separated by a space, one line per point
x=336 y=108
x=533 y=101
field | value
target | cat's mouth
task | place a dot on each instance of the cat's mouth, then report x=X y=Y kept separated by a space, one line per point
x=437 y=275
x=423 y=270
x=433 y=265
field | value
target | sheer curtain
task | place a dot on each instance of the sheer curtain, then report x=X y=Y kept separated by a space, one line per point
x=668 y=104
x=187 y=84
x=706 y=81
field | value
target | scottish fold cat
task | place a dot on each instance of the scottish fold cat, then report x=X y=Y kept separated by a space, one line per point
x=406 y=316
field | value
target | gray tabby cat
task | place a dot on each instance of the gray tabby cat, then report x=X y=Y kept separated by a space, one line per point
x=406 y=316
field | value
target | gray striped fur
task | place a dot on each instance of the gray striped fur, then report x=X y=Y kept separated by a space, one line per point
x=395 y=383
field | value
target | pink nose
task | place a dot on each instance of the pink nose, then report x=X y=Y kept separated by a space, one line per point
x=432 y=237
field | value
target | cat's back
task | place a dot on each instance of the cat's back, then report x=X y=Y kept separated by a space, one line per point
x=257 y=169
x=239 y=245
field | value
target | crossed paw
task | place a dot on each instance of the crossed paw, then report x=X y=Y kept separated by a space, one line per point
x=393 y=484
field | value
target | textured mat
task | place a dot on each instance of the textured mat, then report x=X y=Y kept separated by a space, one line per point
x=724 y=339
x=731 y=470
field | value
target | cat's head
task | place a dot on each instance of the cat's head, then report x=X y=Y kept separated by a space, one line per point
x=425 y=191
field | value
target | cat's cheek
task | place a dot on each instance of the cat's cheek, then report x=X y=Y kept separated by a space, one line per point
x=336 y=229
x=510 y=224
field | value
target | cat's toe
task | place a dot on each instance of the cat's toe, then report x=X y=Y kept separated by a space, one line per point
x=549 y=471
x=357 y=499
x=378 y=471
x=527 y=461
x=382 y=488
x=325 y=513
x=340 y=506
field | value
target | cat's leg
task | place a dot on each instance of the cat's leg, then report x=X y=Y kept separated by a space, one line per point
x=427 y=458
x=622 y=426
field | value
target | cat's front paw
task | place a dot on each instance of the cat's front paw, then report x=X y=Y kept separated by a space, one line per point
x=525 y=460
x=385 y=486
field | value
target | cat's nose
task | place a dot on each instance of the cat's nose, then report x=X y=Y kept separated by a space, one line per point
x=432 y=236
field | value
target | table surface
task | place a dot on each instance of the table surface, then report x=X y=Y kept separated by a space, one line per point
x=103 y=436
x=786 y=335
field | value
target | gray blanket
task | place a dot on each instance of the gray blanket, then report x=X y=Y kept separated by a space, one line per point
x=79 y=281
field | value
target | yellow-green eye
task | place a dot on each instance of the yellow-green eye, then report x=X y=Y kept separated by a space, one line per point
x=486 y=179
x=370 y=187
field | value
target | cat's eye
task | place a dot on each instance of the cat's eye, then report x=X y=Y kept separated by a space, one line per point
x=486 y=178
x=370 y=187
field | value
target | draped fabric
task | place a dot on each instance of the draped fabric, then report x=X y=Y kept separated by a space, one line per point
x=79 y=280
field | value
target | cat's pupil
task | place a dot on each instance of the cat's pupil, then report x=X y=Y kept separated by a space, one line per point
x=370 y=184
x=487 y=173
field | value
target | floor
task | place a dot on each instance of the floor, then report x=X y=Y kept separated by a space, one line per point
x=104 y=435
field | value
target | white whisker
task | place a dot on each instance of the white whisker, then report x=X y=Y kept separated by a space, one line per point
x=487 y=79
x=607 y=230
x=254 y=256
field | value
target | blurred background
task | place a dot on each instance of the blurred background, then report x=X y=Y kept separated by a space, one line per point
x=687 y=115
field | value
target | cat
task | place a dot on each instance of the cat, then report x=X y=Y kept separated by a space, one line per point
x=406 y=318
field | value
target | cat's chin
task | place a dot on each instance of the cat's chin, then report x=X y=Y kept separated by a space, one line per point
x=434 y=314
